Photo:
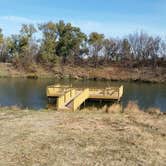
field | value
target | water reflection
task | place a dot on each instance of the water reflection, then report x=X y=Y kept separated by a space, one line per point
x=31 y=93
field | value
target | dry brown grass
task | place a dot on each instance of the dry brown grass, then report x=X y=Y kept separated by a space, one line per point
x=144 y=74
x=8 y=70
x=29 y=138
x=76 y=72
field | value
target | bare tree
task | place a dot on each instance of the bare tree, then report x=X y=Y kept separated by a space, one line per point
x=110 y=50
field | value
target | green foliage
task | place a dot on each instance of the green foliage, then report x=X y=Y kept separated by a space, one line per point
x=126 y=49
x=20 y=46
x=28 y=30
x=64 y=43
x=1 y=36
x=48 y=44
x=70 y=40
x=111 y=49
x=96 y=41
x=2 y=57
x=60 y=40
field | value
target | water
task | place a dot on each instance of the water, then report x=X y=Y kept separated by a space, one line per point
x=31 y=93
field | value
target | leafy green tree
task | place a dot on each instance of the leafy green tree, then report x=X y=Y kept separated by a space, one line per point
x=26 y=39
x=20 y=47
x=25 y=45
x=49 y=42
x=1 y=45
x=1 y=36
x=126 y=49
x=28 y=30
x=14 y=45
x=5 y=48
x=96 y=44
x=70 y=41
x=110 y=50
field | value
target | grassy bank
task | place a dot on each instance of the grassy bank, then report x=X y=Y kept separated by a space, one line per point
x=99 y=137
x=8 y=70
x=114 y=73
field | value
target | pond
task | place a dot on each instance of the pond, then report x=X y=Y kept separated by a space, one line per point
x=32 y=93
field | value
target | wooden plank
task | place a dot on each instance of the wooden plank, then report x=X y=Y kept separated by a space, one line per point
x=57 y=90
x=65 y=98
x=80 y=99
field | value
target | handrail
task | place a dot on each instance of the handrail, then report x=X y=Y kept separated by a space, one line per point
x=66 y=97
x=106 y=91
x=80 y=99
x=53 y=89
x=59 y=86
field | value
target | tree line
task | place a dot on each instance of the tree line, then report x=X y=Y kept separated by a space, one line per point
x=62 y=43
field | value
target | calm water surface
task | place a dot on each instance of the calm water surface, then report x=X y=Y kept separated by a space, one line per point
x=31 y=93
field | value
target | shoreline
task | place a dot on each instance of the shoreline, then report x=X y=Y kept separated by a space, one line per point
x=114 y=74
x=115 y=107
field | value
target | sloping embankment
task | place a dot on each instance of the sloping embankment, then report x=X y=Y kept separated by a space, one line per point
x=157 y=75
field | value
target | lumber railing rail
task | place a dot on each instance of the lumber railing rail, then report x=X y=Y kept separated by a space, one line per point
x=65 y=98
x=54 y=89
x=105 y=91
x=80 y=99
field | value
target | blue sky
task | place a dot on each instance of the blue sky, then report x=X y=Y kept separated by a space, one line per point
x=110 y=17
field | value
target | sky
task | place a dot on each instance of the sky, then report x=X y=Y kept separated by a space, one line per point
x=112 y=18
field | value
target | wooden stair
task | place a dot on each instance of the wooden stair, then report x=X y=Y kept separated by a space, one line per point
x=71 y=101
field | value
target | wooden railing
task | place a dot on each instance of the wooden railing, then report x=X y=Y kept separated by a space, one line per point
x=105 y=91
x=80 y=99
x=65 y=98
x=54 y=89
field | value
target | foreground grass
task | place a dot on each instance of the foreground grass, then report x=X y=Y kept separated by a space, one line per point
x=82 y=138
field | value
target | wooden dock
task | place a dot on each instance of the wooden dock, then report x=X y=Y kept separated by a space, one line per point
x=70 y=98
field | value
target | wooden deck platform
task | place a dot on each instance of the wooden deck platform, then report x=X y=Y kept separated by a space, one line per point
x=70 y=98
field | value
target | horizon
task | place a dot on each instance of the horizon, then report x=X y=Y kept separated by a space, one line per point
x=111 y=18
